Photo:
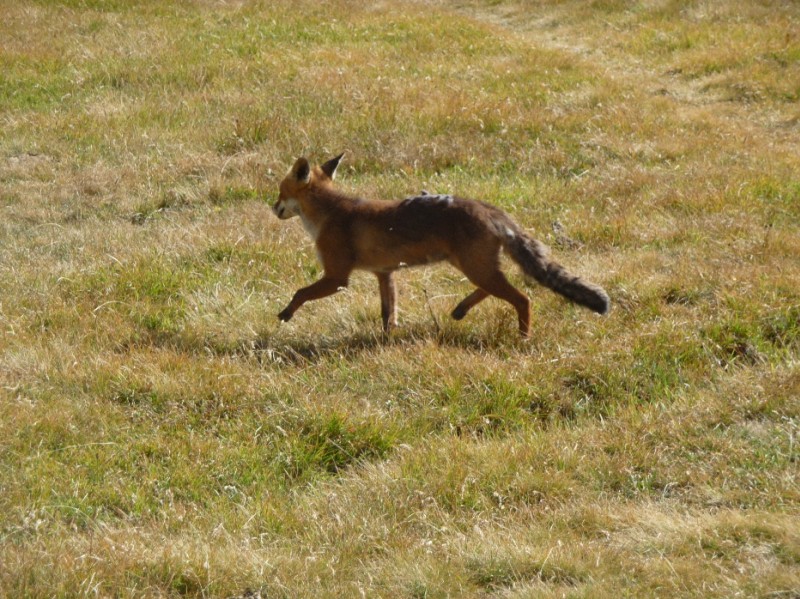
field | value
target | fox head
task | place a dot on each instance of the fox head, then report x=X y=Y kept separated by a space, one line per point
x=300 y=180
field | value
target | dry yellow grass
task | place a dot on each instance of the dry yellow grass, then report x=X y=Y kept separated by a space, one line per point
x=162 y=435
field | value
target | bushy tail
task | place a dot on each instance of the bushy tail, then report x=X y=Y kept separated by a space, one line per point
x=532 y=256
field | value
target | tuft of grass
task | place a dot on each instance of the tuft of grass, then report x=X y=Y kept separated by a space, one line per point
x=331 y=444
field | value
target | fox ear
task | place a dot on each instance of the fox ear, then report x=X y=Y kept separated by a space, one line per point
x=329 y=168
x=301 y=170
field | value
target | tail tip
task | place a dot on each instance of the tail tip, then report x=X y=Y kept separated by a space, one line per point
x=602 y=305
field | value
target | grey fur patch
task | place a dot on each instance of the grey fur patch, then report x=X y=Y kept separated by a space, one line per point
x=431 y=198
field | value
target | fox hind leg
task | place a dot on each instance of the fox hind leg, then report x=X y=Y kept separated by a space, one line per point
x=468 y=303
x=494 y=282
x=499 y=286
x=480 y=262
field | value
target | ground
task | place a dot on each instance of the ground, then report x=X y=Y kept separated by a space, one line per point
x=162 y=434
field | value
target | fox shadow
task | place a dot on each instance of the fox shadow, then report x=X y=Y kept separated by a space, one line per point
x=304 y=349
x=282 y=347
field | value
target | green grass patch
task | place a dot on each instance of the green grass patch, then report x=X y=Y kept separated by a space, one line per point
x=331 y=444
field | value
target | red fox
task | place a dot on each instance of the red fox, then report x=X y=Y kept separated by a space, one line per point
x=383 y=236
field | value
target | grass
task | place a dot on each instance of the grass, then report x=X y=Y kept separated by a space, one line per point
x=161 y=434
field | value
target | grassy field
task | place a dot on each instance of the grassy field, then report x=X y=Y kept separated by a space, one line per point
x=162 y=434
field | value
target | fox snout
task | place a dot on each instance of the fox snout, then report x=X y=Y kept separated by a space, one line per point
x=284 y=209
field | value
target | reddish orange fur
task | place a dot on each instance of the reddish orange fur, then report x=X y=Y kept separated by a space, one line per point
x=383 y=236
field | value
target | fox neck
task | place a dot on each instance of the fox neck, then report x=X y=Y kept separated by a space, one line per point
x=317 y=205
x=312 y=227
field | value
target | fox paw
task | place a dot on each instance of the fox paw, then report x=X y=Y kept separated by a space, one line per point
x=458 y=313
x=285 y=315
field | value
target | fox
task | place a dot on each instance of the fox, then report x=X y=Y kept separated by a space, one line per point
x=383 y=236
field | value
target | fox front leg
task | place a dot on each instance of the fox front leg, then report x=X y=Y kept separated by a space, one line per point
x=388 y=300
x=324 y=287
